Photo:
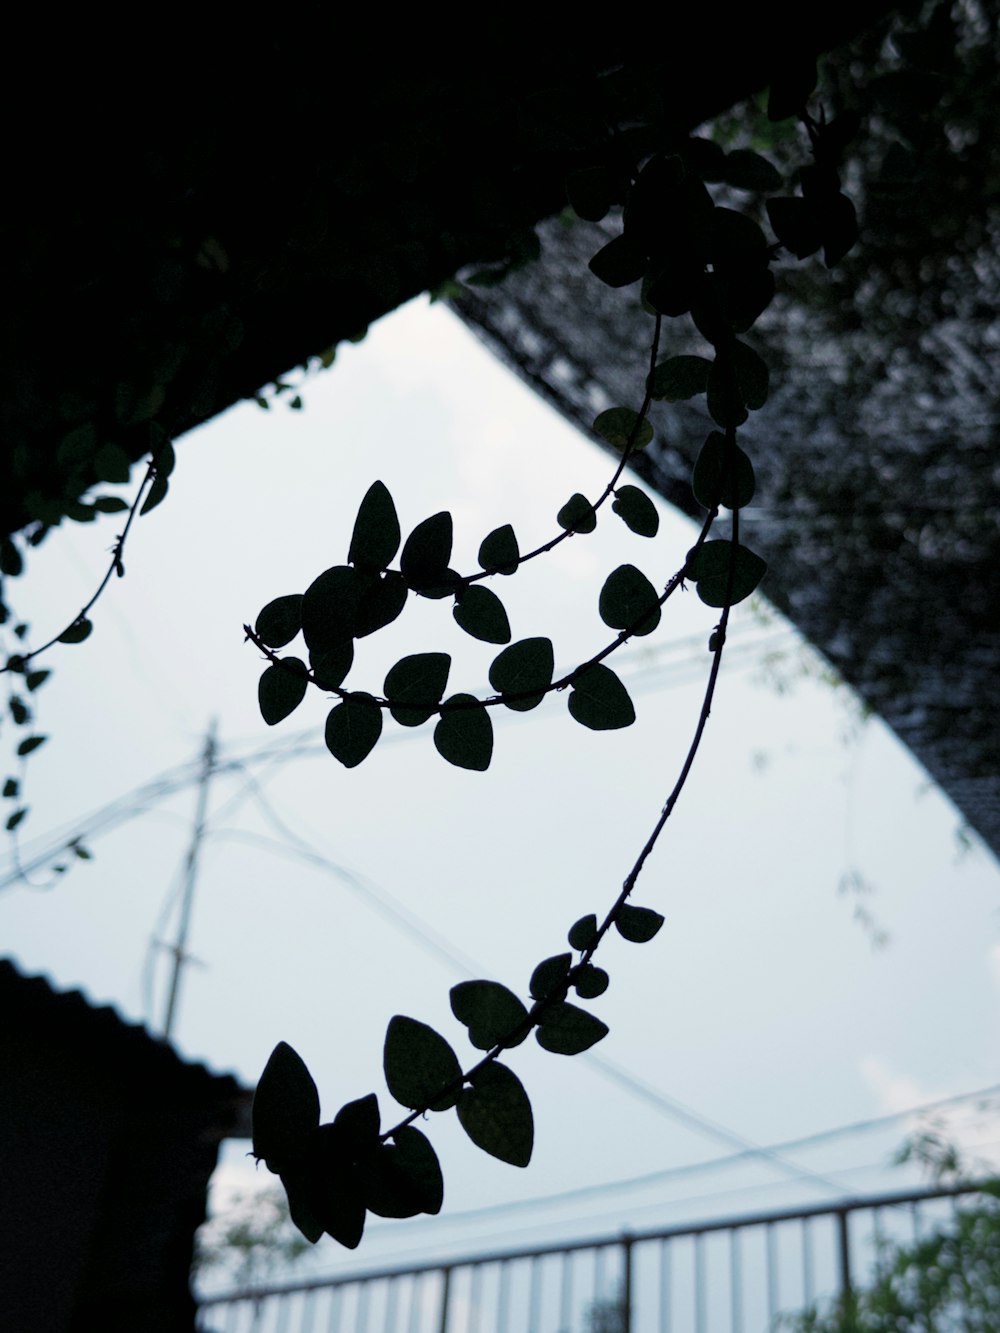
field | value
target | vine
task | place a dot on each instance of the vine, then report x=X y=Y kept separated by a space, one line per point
x=694 y=257
x=152 y=491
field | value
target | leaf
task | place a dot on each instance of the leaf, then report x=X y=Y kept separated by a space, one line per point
x=11 y=787
x=112 y=463
x=414 y=687
x=628 y=601
x=525 y=669
x=381 y=604
x=110 y=504
x=496 y=1115
x=427 y=551
x=590 y=192
x=791 y=86
x=707 y=479
x=746 y=170
x=281 y=689
x=725 y=405
x=30 y=744
x=330 y=665
x=11 y=560
x=618 y=425
x=840 y=229
x=567 y=1030
x=582 y=932
x=285 y=1109
x=637 y=924
x=499 y=551
x=79 y=630
x=795 y=225
x=550 y=975
x=577 y=514
x=165 y=459
x=636 y=510
x=299 y=1187
x=418 y=1161
x=156 y=494
x=619 y=263
x=388 y=1190
x=19 y=710
x=336 y=1191
x=445 y=583
x=752 y=375
x=35 y=679
x=359 y=1121
x=15 y=819
x=419 y=1064
x=600 y=701
x=353 y=728
x=481 y=613
x=679 y=377
x=710 y=570
x=330 y=606
x=464 y=733
x=280 y=621
x=590 y=982
x=376 y=536
x=490 y=1011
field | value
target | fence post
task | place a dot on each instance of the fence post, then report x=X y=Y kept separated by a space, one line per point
x=626 y=1283
x=445 y=1292
x=843 y=1233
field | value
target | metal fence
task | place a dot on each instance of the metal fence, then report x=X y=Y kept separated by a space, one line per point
x=732 y=1275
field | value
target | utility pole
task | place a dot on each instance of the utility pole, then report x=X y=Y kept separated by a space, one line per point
x=179 y=948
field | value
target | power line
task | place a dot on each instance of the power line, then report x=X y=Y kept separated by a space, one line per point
x=469 y=967
x=713 y=1164
x=140 y=799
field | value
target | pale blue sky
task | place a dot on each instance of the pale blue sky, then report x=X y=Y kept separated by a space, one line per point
x=761 y=1004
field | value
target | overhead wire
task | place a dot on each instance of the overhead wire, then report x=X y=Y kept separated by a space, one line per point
x=442 y=948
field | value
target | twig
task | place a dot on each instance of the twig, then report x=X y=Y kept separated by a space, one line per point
x=18 y=662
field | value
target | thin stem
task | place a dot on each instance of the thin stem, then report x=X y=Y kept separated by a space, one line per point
x=609 y=488
x=537 y=1011
x=493 y=700
x=19 y=660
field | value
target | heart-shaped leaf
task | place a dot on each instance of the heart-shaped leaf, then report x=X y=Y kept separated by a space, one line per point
x=577 y=514
x=285 y=1109
x=481 y=613
x=524 y=669
x=710 y=568
x=376 y=536
x=415 y=685
x=353 y=729
x=709 y=481
x=419 y=1064
x=464 y=733
x=425 y=556
x=628 y=601
x=499 y=551
x=280 y=621
x=600 y=701
x=621 y=425
x=281 y=689
x=636 y=510
x=637 y=924
x=568 y=1030
x=679 y=377
x=496 y=1114
x=490 y=1011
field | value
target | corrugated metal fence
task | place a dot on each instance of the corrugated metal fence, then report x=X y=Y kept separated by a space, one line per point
x=731 y=1275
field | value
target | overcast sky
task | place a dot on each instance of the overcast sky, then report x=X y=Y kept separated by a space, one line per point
x=762 y=1004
